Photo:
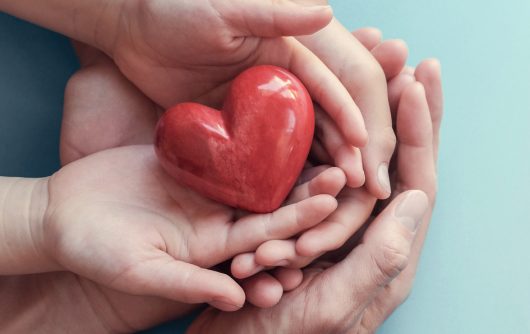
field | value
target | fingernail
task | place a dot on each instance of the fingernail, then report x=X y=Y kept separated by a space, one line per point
x=382 y=177
x=412 y=209
x=224 y=305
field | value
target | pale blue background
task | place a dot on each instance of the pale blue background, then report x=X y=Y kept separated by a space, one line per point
x=475 y=271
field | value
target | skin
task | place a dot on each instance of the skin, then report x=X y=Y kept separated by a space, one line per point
x=362 y=304
x=118 y=99
x=162 y=46
x=383 y=261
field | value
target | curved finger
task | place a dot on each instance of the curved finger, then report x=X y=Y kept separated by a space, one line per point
x=171 y=279
x=252 y=230
x=391 y=56
x=262 y=290
x=281 y=253
x=322 y=84
x=365 y=81
x=330 y=182
x=244 y=265
x=395 y=90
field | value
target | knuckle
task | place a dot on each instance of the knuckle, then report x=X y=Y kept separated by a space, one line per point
x=393 y=257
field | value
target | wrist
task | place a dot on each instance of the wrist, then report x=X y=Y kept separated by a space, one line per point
x=23 y=204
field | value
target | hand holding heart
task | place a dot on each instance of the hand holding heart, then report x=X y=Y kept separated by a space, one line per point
x=115 y=94
x=118 y=204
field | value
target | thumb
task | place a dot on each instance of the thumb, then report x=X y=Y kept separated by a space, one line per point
x=274 y=18
x=386 y=245
x=165 y=277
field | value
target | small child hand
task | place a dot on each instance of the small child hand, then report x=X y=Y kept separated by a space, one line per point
x=116 y=218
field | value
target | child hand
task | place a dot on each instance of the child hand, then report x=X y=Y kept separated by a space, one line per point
x=116 y=218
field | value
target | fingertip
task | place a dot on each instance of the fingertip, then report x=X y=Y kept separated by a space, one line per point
x=225 y=305
x=334 y=176
x=263 y=290
x=326 y=203
x=231 y=297
x=369 y=37
x=428 y=70
x=308 y=246
x=244 y=265
x=289 y=278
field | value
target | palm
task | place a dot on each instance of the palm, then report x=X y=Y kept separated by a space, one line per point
x=172 y=68
x=120 y=204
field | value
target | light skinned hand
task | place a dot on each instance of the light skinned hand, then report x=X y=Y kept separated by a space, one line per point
x=116 y=218
x=338 y=227
x=365 y=78
x=179 y=51
x=383 y=259
x=113 y=99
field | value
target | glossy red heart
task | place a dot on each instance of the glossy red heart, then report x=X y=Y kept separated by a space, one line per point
x=250 y=153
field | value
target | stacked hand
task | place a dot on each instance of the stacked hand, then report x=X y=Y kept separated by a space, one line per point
x=352 y=203
x=118 y=204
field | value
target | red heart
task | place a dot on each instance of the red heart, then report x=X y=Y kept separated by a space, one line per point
x=249 y=154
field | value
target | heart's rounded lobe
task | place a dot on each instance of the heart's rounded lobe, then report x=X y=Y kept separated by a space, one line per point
x=250 y=153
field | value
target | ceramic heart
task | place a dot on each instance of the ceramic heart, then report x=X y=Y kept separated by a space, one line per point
x=250 y=153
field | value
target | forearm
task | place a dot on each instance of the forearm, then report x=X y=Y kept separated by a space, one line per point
x=22 y=206
x=90 y=21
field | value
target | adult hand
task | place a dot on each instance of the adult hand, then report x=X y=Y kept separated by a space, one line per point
x=101 y=119
x=384 y=262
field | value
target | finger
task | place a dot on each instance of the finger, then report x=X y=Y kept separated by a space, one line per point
x=263 y=290
x=391 y=55
x=369 y=37
x=398 y=289
x=281 y=253
x=273 y=18
x=330 y=182
x=168 y=278
x=385 y=249
x=366 y=84
x=323 y=86
x=345 y=156
x=415 y=163
x=289 y=278
x=244 y=265
x=396 y=86
x=252 y=230
x=428 y=73
x=355 y=207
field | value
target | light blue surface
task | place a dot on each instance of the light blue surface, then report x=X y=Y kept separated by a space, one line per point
x=475 y=270
x=474 y=276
